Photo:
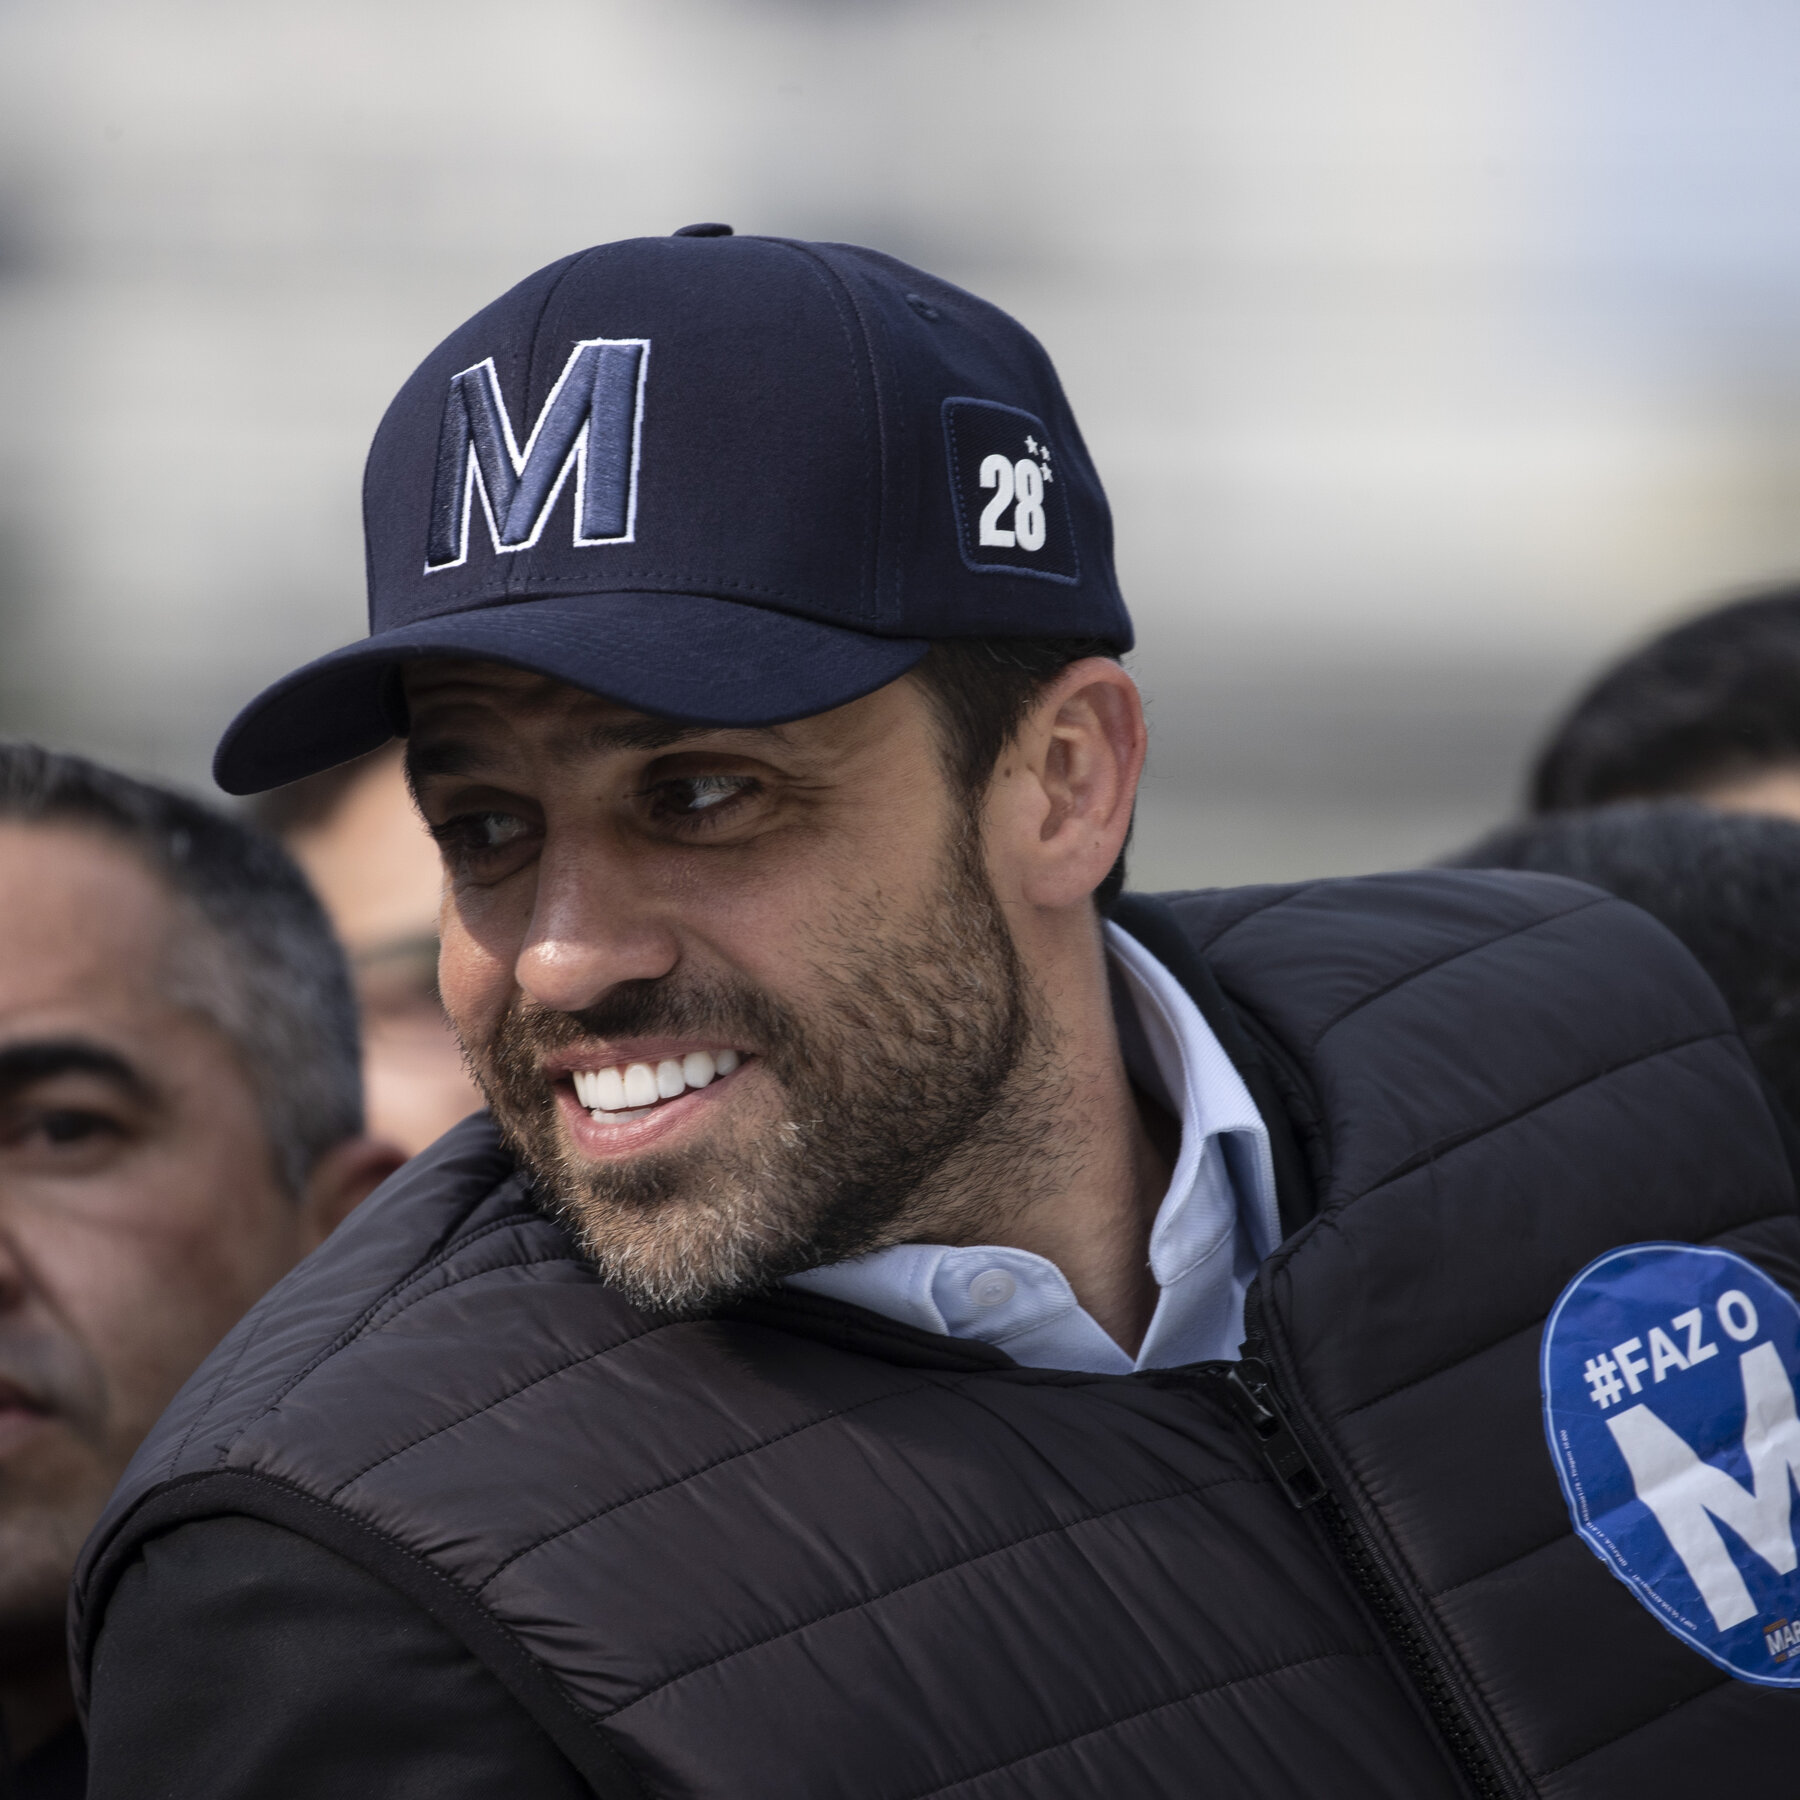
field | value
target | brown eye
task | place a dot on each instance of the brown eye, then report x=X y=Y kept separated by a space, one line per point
x=493 y=831
x=474 y=835
x=692 y=796
x=704 y=791
x=70 y=1126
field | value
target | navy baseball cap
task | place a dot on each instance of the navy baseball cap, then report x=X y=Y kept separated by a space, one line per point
x=726 y=480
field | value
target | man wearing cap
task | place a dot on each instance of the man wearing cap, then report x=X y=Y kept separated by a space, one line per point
x=916 y=1322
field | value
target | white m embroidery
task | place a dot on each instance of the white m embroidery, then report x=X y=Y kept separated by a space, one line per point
x=1687 y=1495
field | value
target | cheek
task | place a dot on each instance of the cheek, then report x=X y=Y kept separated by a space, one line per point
x=156 y=1301
x=789 y=925
x=152 y=1284
x=479 y=945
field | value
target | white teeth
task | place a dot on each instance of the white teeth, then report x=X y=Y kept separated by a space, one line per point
x=599 y=1090
x=634 y=1088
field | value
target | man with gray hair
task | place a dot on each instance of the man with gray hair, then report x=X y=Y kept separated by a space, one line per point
x=180 y=1122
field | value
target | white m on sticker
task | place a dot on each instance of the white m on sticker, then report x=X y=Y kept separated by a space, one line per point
x=590 y=423
x=1688 y=1495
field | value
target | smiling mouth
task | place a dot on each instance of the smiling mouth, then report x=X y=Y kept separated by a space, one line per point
x=631 y=1090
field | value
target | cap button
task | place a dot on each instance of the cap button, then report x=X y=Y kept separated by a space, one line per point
x=702 y=231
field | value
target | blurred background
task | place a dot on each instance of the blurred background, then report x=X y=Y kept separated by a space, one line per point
x=1431 y=351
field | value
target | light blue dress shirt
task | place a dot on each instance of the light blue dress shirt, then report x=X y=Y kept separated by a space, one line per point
x=1215 y=1224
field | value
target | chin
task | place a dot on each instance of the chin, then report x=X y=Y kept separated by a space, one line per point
x=680 y=1247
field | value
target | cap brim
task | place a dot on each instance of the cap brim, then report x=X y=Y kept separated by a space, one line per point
x=680 y=656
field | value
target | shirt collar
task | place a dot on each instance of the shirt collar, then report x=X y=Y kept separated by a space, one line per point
x=1190 y=1074
x=1217 y=1219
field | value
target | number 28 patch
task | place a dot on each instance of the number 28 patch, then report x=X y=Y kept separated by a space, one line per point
x=1010 y=511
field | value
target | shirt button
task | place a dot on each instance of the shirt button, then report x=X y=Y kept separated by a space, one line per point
x=992 y=1287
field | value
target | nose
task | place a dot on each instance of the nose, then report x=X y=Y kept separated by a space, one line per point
x=591 y=928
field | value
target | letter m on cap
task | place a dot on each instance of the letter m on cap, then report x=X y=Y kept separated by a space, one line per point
x=590 y=424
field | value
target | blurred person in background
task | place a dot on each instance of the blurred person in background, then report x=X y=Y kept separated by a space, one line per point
x=1709 y=709
x=180 y=1123
x=1727 y=884
x=359 y=839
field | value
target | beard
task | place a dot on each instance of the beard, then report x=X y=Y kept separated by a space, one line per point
x=914 y=1098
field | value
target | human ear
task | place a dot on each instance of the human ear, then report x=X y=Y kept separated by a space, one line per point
x=1068 y=784
x=341 y=1180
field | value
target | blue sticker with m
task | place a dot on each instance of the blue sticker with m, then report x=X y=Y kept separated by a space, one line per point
x=1668 y=1376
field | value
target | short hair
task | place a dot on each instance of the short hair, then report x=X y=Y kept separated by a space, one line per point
x=1712 y=698
x=1726 y=884
x=273 y=979
x=981 y=689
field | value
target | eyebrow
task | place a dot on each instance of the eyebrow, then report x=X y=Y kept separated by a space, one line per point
x=40 y=1059
x=451 y=756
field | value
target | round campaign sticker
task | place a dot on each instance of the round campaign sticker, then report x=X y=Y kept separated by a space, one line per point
x=1668 y=1375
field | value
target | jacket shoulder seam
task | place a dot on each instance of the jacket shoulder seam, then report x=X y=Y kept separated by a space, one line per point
x=1274 y=903
x=360 y=1324
x=512 y=1393
x=1421 y=970
x=1446 y=1146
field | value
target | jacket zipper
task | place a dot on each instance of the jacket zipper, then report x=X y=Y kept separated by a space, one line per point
x=1249 y=1390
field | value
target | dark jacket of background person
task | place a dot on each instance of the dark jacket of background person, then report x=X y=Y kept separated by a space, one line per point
x=1726 y=884
x=1706 y=709
x=799 y=1549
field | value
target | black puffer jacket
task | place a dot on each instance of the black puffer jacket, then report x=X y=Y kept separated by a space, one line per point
x=803 y=1551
